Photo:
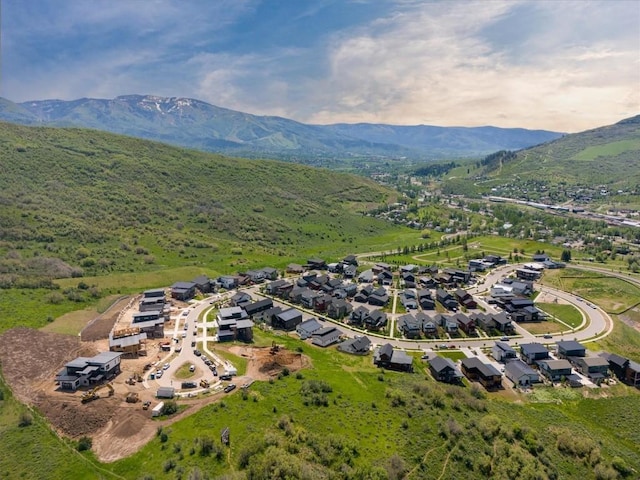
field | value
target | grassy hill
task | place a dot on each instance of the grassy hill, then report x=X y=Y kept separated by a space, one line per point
x=107 y=203
x=603 y=156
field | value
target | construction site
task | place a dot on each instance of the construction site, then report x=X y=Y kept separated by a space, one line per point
x=115 y=413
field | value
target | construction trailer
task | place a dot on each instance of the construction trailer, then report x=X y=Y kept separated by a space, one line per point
x=157 y=410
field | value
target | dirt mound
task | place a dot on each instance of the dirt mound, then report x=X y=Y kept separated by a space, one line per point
x=71 y=418
x=263 y=364
x=31 y=358
x=100 y=327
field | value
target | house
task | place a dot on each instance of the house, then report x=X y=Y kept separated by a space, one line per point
x=203 y=283
x=151 y=328
x=359 y=345
x=408 y=279
x=366 y=277
x=521 y=374
x=380 y=267
x=375 y=320
x=446 y=300
x=502 y=352
x=270 y=273
x=151 y=304
x=429 y=327
x=86 y=371
x=268 y=315
x=386 y=357
x=409 y=302
x=308 y=298
x=486 y=374
x=339 y=308
x=140 y=317
x=321 y=302
x=477 y=265
x=358 y=315
x=318 y=281
x=228 y=282
x=458 y=276
x=540 y=257
x=465 y=299
x=255 y=276
x=273 y=287
x=444 y=370
x=626 y=370
x=378 y=299
x=325 y=336
x=526 y=314
x=294 y=268
x=555 y=370
x=240 y=299
x=495 y=260
x=425 y=300
x=449 y=325
x=183 y=291
x=287 y=320
x=316 y=264
x=533 y=352
x=349 y=271
x=307 y=328
x=527 y=274
x=409 y=326
x=350 y=260
x=427 y=282
x=385 y=277
x=155 y=293
x=466 y=324
x=570 y=348
x=234 y=324
x=595 y=369
x=129 y=342
x=253 y=309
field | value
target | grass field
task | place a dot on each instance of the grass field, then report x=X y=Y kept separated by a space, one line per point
x=538 y=328
x=614 y=295
x=568 y=314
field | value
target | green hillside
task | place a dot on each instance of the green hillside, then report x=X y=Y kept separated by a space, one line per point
x=106 y=203
x=604 y=156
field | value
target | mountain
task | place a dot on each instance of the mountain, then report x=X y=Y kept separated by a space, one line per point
x=607 y=155
x=196 y=124
x=107 y=202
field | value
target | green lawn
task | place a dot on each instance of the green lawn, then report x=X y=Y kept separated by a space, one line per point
x=566 y=313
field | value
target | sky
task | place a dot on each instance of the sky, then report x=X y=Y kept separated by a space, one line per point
x=545 y=64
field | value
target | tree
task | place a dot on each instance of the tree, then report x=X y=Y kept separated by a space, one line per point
x=566 y=255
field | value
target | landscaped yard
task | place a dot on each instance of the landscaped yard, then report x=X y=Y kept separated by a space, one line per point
x=568 y=314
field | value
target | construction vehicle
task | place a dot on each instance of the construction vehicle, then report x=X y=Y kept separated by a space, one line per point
x=146 y=405
x=93 y=393
x=132 y=397
x=204 y=383
x=275 y=348
x=130 y=381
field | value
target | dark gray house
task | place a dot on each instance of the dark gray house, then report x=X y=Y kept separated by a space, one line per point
x=444 y=370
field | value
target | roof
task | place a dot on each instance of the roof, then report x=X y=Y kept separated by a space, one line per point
x=570 y=345
x=401 y=358
x=557 y=364
x=244 y=324
x=485 y=369
x=310 y=325
x=183 y=286
x=105 y=357
x=326 y=331
x=594 y=361
x=505 y=347
x=128 y=340
x=440 y=363
x=356 y=344
x=289 y=314
x=150 y=323
x=386 y=349
x=166 y=392
x=533 y=348
x=518 y=368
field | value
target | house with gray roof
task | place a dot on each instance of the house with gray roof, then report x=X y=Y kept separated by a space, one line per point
x=532 y=353
x=444 y=370
x=359 y=345
x=287 y=320
x=521 y=374
x=625 y=369
x=503 y=352
x=308 y=327
x=555 y=370
x=488 y=376
x=86 y=371
x=326 y=336
x=387 y=357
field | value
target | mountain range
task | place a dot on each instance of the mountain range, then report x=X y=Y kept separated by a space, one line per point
x=200 y=125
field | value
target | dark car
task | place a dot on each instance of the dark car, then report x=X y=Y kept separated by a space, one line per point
x=225 y=377
x=197 y=353
x=189 y=385
x=229 y=387
x=193 y=344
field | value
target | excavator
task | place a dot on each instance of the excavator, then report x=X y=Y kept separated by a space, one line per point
x=93 y=393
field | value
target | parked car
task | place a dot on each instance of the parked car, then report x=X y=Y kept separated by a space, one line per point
x=189 y=384
x=197 y=352
x=504 y=339
x=166 y=366
x=159 y=374
x=225 y=377
x=192 y=368
x=229 y=388
x=548 y=335
x=193 y=344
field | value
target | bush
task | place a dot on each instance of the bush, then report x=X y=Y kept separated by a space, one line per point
x=169 y=408
x=85 y=443
x=169 y=465
x=25 y=420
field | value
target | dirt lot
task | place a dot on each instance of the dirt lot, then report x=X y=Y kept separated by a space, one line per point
x=30 y=360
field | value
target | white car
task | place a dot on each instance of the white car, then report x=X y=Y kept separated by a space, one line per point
x=166 y=366
x=159 y=374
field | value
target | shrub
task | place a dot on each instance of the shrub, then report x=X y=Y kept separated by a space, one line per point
x=169 y=465
x=85 y=443
x=169 y=408
x=25 y=420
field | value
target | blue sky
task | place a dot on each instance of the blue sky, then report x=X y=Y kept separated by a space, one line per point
x=557 y=65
